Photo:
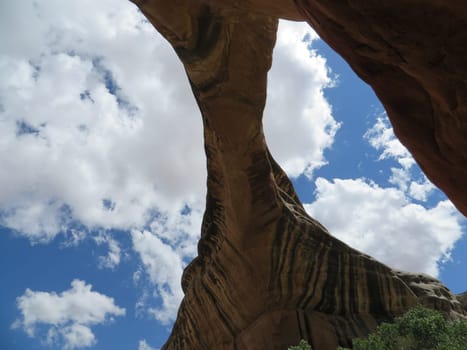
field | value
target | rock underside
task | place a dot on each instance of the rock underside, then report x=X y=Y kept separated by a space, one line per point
x=268 y=275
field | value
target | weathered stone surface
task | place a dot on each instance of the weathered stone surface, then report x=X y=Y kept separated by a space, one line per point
x=463 y=299
x=413 y=53
x=432 y=293
x=266 y=274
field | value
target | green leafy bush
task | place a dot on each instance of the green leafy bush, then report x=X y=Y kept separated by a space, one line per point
x=303 y=345
x=419 y=329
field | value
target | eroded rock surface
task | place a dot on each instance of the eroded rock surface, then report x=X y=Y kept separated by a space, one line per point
x=266 y=274
x=413 y=53
x=463 y=299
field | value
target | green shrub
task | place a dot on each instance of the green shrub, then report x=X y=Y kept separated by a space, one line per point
x=419 y=329
x=303 y=345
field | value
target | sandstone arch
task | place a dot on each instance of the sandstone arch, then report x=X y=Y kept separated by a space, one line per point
x=267 y=274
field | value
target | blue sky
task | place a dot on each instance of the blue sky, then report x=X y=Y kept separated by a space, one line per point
x=103 y=178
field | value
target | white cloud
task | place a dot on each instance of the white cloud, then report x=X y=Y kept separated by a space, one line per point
x=164 y=268
x=80 y=114
x=144 y=346
x=384 y=223
x=68 y=316
x=99 y=125
x=381 y=137
x=400 y=177
x=421 y=190
x=164 y=250
x=77 y=336
x=298 y=120
x=112 y=259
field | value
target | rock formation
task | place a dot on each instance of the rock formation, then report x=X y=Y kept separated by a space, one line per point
x=413 y=53
x=463 y=299
x=267 y=274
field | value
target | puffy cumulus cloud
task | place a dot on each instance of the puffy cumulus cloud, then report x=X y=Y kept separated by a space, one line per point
x=421 y=190
x=97 y=120
x=406 y=176
x=164 y=250
x=74 y=336
x=298 y=120
x=68 y=316
x=99 y=126
x=164 y=268
x=143 y=345
x=384 y=223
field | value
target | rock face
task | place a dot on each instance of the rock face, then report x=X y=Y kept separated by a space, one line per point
x=413 y=53
x=266 y=274
x=463 y=299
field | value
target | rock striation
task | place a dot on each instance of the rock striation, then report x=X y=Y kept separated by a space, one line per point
x=266 y=275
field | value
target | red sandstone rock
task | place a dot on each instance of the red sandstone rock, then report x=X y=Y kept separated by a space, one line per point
x=267 y=274
x=413 y=53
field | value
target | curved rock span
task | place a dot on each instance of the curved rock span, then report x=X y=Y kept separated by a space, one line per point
x=267 y=274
